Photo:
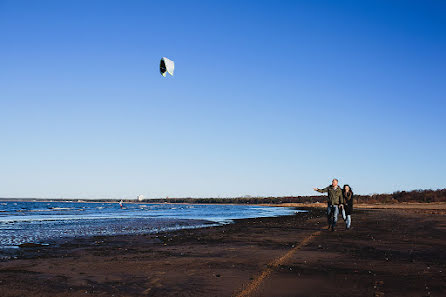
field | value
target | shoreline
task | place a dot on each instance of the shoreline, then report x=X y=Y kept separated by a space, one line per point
x=396 y=252
x=116 y=223
x=284 y=204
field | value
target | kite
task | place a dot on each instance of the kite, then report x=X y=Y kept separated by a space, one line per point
x=166 y=65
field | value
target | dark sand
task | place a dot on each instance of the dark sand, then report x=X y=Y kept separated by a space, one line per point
x=389 y=252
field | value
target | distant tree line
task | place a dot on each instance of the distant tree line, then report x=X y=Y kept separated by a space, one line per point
x=400 y=196
x=404 y=196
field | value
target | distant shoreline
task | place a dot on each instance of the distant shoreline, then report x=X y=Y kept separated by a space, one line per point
x=316 y=204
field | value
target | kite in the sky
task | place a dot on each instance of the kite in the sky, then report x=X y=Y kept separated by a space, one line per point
x=166 y=65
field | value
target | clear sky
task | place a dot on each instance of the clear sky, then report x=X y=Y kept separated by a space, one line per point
x=268 y=97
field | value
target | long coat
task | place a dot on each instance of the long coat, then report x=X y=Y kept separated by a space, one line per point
x=348 y=202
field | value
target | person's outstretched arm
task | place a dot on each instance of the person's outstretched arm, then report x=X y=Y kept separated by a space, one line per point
x=324 y=190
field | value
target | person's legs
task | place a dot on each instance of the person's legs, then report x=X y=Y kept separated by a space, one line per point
x=329 y=214
x=343 y=214
x=335 y=215
x=349 y=221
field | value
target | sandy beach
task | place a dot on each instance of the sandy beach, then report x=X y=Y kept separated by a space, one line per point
x=388 y=252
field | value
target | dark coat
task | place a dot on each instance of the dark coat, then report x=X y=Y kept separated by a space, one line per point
x=348 y=202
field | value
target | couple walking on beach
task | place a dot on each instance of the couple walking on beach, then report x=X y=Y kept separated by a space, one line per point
x=338 y=200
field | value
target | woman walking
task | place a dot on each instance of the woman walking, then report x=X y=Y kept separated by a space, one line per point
x=347 y=210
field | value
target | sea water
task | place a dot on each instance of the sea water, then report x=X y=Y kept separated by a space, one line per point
x=45 y=222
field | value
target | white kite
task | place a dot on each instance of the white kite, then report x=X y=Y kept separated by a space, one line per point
x=166 y=65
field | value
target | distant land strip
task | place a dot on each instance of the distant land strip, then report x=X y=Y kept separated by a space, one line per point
x=424 y=196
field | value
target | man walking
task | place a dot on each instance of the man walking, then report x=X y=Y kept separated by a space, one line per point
x=335 y=200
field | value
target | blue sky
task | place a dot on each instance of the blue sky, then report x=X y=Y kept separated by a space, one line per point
x=268 y=97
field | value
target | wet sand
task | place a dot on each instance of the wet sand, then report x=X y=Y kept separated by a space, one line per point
x=388 y=252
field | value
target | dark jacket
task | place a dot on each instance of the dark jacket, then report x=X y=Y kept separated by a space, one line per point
x=348 y=202
x=334 y=195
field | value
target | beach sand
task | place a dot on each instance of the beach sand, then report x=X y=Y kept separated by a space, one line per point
x=388 y=252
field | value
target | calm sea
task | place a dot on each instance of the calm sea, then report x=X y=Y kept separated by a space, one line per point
x=45 y=222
